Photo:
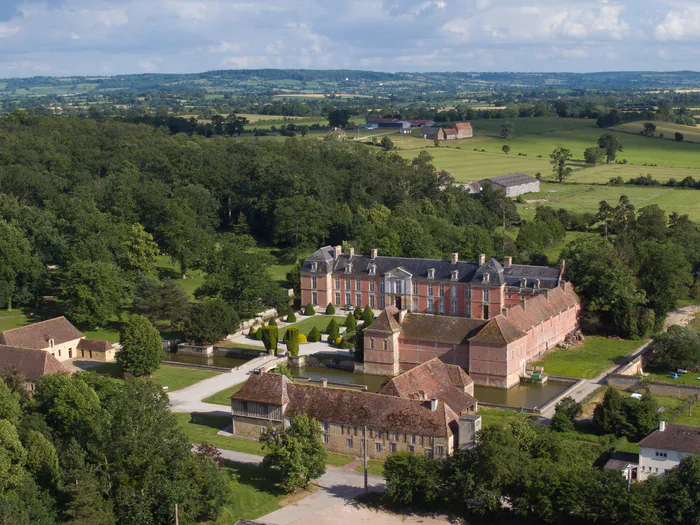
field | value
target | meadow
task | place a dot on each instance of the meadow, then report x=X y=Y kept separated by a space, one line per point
x=690 y=133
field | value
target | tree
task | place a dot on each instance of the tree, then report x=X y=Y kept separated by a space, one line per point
x=338 y=118
x=184 y=235
x=291 y=337
x=21 y=273
x=350 y=323
x=330 y=309
x=592 y=156
x=505 y=149
x=679 y=347
x=610 y=145
x=559 y=157
x=314 y=335
x=357 y=312
x=386 y=143
x=564 y=414
x=664 y=274
x=42 y=460
x=297 y=453
x=332 y=330
x=507 y=129
x=161 y=301
x=367 y=316
x=605 y=215
x=680 y=492
x=678 y=137
x=649 y=129
x=300 y=222
x=93 y=292
x=9 y=403
x=234 y=124
x=291 y=317
x=140 y=253
x=210 y=320
x=270 y=338
x=411 y=479
x=141 y=349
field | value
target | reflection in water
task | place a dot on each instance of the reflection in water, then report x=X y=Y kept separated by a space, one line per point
x=374 y=383
x=224 y=362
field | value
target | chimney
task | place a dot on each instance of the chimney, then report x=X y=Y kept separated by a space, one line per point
x=402 y=316
x=562 y=265
x=374 y=253
x=454 y=259
x=433 y=404
x=337 y=251
x=662 y=426
x=352 y=252
x=508 y=262
x=324 y=382
x=482 y=259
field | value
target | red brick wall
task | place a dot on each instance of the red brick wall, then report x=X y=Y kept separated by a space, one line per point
x=416 y=352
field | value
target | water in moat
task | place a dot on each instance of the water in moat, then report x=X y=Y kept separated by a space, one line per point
x=524 y=395
x=215 y=360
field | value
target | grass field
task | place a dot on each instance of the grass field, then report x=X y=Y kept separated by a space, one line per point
x=664 y=375
x=690 y=133
x=495 y=417
x=169 y=270
x=375 y=468
x=222 y=397
x=320 y=321
x=586 y=198
x=595 y=356
x=174 y=377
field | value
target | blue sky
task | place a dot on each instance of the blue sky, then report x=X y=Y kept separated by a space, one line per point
x=105 y=37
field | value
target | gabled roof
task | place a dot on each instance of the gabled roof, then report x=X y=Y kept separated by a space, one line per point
x=678 y=438
x=264 y=388
x=386 y=320
x=32 y=364
x=434 y=379
x=463 y=126
x=37 y=335
x=439 y=328
x=513 y=179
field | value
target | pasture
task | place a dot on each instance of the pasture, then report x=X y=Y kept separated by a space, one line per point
x=690 y=133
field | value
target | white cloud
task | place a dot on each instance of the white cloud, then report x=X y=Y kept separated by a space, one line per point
x=226 y=47
x=112 y=17
x=680 y=25
x=7 y=31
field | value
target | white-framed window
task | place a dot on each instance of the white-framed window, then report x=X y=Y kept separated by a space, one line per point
x=337 y=298
x=381 y=286
x=413 y=439
x=358 y=284
x=347 y=283
x=50 y=343
x=382 y=302
x=314 y=298
x=371 y=301
x=415 y=288
x=347 y=299
x=415 y=304
x=486 y=294
x=337 y=283
x=348 y=442
x=371 y=286
x=396 y=436
x=59 y=352
x=430 y=304
x=430 y=290
x=325 y=439
x=441 y=306
x=440 y=450
x=453 y=307
x=468 y=293
x=377 y=447
x=392 y=447
x=442 y=290
x=453 y=291
x=313 y=283
x=358 y=299
x=468 y=310
x=326 y=427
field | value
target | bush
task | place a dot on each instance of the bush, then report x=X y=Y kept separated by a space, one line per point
x=626 y=416
x=272 y=322
x=302 y=338
x=252 y=331
x=141 y=349
x=314 y=335
x=270 y=336
x=565 y=412
x=309 y=310
x=291 y=337
x=357 y=313
x=291 y=317
x=259 y=334
x=350 y=322
x=367 y=316
x=330 y=309
x=337 y=340
x=332 y=330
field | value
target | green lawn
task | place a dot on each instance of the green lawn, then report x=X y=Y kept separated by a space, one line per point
x=320 y=321
x=255 y=493
x=375 y=467
x=595 y=356
x=690 y=133
x=15 y=321
x=203 y=428
x=174 y=377
x=222 y=398
x=166 y=270
x=553 y=252
x=495 y=417
x=664 y=375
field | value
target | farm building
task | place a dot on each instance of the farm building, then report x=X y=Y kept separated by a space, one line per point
x=514 y=184
x=461 y=130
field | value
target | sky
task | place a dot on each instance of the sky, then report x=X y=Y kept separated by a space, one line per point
x=108 y=37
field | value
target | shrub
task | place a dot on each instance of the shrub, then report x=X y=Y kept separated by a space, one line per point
x=338 y=340
x=302 y=338
x=330 y=309
x=368 y=316
x=291 y=317
x=309 y=310
x=314 y=335
x=565 y=412
x=252 y=331
x=259 y=334
x=272 y=322
x=332 y=330
x=357 y=313
x=291 y=336
x=270 y=338
x=350 y=322
x=210 y=320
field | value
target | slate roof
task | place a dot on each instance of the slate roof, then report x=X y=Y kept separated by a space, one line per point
x=33 y=364
x=350 y=407
x=439 y=328
x=94 y=345
x=678 y=438
x=622 y=460
x=508 y=181
x=434 y=379
x=37 y=335
x=359 y=266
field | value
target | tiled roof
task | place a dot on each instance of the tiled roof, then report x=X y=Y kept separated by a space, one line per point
x=622 y=460
x=359 y=265
x=37 y=335
x=434 y=379
x=94 y=345
x=33 y=364
x=439 y=328
x=678 y=438
x=513 y=179
x=386 y=320
x=463 y=126
x=264 y=388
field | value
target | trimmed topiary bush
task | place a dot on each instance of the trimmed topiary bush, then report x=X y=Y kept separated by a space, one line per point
x=338 y=340
x=302 y=338
x=330 y=309
x=309 y=310
x=332 y=330
x=350 y=323
x=272 y=322
x=270 y=338
x=357 y=313
x=258 y=334
x=367 y=315
x=291 y=336
x=291 y=317
x=314 y=335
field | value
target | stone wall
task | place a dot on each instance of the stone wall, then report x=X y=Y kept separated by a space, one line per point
x=186 y=348
x=240 y=353
x=624 y=382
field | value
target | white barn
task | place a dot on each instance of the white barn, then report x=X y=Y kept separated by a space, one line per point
x=514 y=184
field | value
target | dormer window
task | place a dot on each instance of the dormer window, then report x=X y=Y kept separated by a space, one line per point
x=431 y=273
x=486 y=277
x=537 y=284
x=314 y=266
x=50 y=343
x=523 y=283
x=348 y=268
x=373 y=269
x=454 y=275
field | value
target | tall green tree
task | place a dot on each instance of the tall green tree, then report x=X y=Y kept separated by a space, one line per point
x=610 y=145
x=93 y=292
x=211 y=320
x=140 y=253
x=22 y=274
x=559 y=159
x=141 y=348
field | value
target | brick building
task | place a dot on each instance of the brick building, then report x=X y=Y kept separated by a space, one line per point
x=393 y=423
x=500 y=316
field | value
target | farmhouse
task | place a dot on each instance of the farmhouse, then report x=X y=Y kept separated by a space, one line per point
x=464 y=130
x=514 y=184
x=461 y=130
x=32 y=364
x=664 y=449
x=58 y=338
x=392 y=423
x=500 y=316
